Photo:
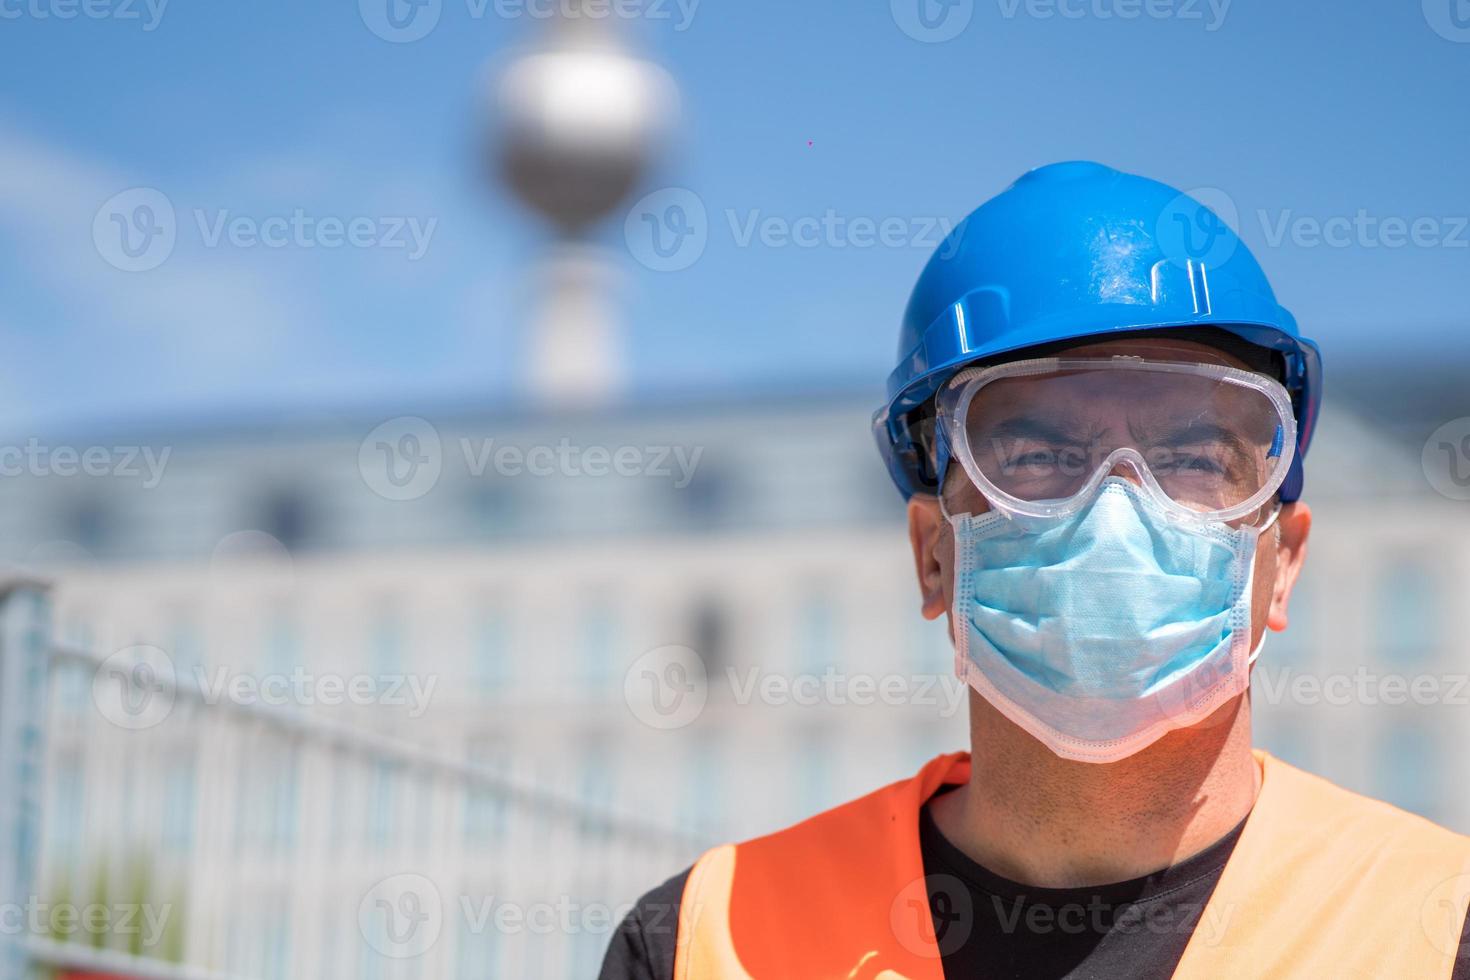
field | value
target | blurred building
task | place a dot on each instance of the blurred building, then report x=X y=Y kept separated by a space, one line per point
x=526 y=595
x=760 y=534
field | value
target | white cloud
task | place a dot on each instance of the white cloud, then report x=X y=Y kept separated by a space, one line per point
x=197 y=308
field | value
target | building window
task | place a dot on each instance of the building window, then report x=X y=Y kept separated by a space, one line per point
x=493 y=508
x=186 y=643
x=286 y=515
x=266 y=786
x=282 y=648
x=178 y=810
x=383 y=807
x=703 y=803
x=816 y=633
x=812 y=770
x=88 y=522
x=598 y=643
x=485 y=806
x=490 y=668
x=705 y=499
x=1406 y=619
x=597 y=783
x=1409 y=762
x=387 y=641
x=709 y=634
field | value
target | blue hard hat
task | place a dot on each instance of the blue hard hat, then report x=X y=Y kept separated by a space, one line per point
x=1072 y=252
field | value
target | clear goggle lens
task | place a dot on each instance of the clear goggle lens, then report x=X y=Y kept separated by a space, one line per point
x=1035 y=437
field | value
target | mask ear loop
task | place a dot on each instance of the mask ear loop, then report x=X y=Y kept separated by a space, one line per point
x=1270 y=522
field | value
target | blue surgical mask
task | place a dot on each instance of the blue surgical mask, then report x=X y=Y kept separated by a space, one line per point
x=1101 y=631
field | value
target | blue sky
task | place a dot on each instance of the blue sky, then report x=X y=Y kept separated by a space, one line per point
x=1299 y=114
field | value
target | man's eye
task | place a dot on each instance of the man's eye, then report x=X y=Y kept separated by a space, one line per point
x=1192 y=463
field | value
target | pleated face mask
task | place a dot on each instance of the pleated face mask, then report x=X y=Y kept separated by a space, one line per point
x=1101 y=630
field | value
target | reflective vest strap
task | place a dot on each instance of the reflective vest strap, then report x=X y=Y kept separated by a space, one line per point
x=704 y=946
x=1324 y=882
x=1321 y=883
x=838 y=896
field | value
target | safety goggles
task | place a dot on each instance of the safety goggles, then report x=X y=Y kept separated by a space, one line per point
x=1210 y=442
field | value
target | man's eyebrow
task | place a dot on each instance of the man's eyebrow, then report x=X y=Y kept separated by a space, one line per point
x=1031 y=427
x=1192 y=432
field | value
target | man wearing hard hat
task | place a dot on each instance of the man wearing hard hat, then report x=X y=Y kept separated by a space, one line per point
x=1098 y=418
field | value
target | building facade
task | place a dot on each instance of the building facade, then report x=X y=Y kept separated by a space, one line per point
x=695 y=614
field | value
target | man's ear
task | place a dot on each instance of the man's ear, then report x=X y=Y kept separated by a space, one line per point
x=1295 y=524
x=927 y=528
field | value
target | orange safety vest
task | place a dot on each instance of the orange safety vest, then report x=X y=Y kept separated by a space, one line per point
x=1321 y=883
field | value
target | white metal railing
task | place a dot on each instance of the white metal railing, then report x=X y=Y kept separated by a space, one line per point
x=251 y=842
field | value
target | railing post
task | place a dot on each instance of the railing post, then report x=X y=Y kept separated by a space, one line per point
x=25 y=641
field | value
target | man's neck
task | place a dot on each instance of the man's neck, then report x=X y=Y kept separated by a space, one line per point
x=1045 y=821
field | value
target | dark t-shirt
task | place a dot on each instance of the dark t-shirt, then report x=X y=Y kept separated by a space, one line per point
x=987 y=926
